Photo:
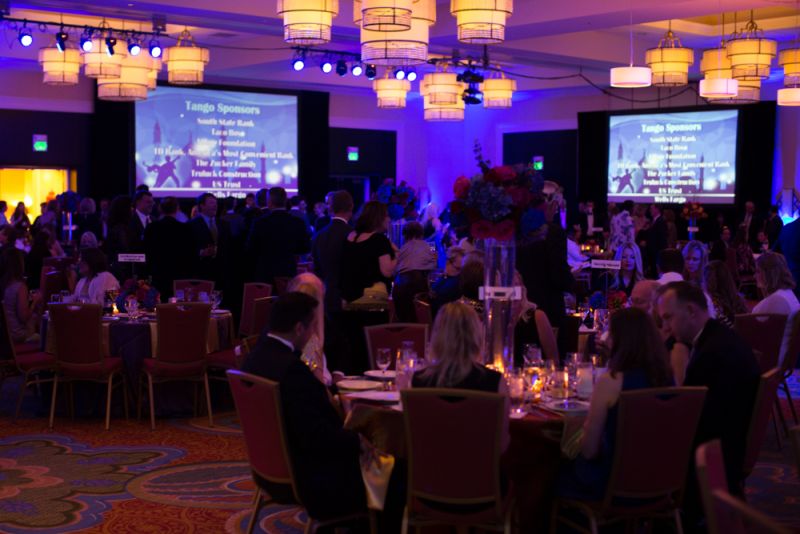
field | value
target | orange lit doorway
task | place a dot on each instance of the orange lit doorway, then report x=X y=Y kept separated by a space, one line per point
x=33 y=186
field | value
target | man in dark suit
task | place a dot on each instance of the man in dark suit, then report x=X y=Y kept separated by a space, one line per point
x=788 y=244
x=773 y=226
x=721 y=361
x=276 y=240
x=169 y=245
x=326 y=249
x=753 y=224
x=143 y=208
x=589 y=219
x=325 y=455
x=656 y=238
x=211 y=238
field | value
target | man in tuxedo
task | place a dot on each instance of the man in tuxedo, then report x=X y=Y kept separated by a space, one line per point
x=721 y=361
x=325 y=455
x=211 y=237
x=169 y=245
x=326 y=249
x=656 y=238
x=589 y=220
x=143 y=208
x=276 y=240
x=773 y=226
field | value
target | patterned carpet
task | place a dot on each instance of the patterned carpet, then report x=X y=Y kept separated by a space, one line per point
x=188 y=478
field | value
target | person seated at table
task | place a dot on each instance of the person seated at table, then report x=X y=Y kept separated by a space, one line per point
x=637 y=360
x=21 y=317
x=725 y=298
x=456 y=349
x=670 y=266
x=630 y=270
x=642 y=295
x=325 y=455
x=447 y=288
x=470 y=282
x=313 y=352
x=695 y=258
x=95 y=278
x=575 y=258
x=775 y=280
x=415 y=261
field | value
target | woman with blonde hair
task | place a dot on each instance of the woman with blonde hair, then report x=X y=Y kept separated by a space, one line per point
x=313 y=353
x=695 y=259
x=776 y=281
x=630 y=271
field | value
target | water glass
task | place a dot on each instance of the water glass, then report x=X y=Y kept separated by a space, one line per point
x=405 y=373
x=533 y=355
x=216 y=299
x=383 y=359
x=516 y=390
x=600 y=320
x=203 y=297
x=180 y=295
x=132 y=307
x=585 y=380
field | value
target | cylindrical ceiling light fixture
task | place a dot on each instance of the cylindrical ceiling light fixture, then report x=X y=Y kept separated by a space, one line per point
x=481 y=21
x=718 y=79
x=103 y=60
x=789 y=96
x=670 y=61
x=307 y=22
x=152 y=76
x=443 y=112
x=386 y=15
x=186 y=61
x=498 y=92
x=750 y=53
x=789 y=59
x=60 y=68
x=398 y=48
x=132 y=82
x=631 y=77
x=391 y=92
x=749 y=93
x=442 y=88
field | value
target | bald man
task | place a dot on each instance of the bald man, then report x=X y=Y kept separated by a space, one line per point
x=643 y=293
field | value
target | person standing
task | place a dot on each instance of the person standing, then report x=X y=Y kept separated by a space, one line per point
x=143 y=207
x=326 y=250
x=657 y=238
x=169 y=246
x=210 y=238
x=752 y=225
x=622 y=227
x=773 y=226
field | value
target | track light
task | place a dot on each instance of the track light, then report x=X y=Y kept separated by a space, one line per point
x=326 y=66
x=134 y=47
x=341 y=67
x=155 y=48
x=357 y=70
x=371 y=72
x=411 y=75
x=25 y=37
x=111 y=42
x=400 y=74
x=299 y=62
x=86 y=40
x=61 y=39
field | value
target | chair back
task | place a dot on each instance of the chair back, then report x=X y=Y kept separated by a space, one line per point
x=194 y=286
x=569 y=332
x=711 y=477
x=654 y=423
x=764 y=333
x=182 y=332
x=262 y=309
x=422 y=309
x=79 y=334
x=759 y=420
x=252 y=291
x=391 y=336
x=52 y=282
x=790 y=359
x=737 y=517
x=7 y=351
x=258 y=405
x=454 y=445
x=281 y=282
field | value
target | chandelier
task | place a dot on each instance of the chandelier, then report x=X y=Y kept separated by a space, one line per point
x=385 y=15
x=749 y=93
x=307 y=22
x=186 y=61
x=132 y=82
x=391 y=92
x=630 y=76
x=401 y=48
x=152 y=76
x=750 y=53
x=481 y=21
x=104 y=60
x=718 y=79
x=60 y=68
x=670 y=61
x=441 y=92
x=497 y=92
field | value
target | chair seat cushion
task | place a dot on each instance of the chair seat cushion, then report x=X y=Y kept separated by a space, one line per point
x=159 y=369
x=225 y=359
x=94 y=371
x=34 y=361
x=26 y=348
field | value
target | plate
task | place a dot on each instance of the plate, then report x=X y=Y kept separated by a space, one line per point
x=381 y=375
x=110 y=318
x=389 y=397
x=568 y=406
x=359 y=385
x=220 y=312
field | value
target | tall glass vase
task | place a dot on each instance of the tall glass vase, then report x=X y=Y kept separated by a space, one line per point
x=498 y=295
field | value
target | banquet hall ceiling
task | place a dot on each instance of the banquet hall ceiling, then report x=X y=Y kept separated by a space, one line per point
x=546 y=38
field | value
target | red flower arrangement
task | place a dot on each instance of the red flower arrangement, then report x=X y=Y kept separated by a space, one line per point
x=616 y=300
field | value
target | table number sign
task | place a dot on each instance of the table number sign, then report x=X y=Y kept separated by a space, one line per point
x=611 y=265
x=131 y=258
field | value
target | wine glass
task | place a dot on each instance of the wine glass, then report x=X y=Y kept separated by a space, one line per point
x=216 y=299
x=383 y=359
x=533 y=355
x=203 y=297
x=132 y=307
x=180 y=295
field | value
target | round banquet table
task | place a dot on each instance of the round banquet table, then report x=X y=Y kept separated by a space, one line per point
x=133 y=341
x=531 y=460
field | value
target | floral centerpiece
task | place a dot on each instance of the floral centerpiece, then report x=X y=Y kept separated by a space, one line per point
x=401 y=200
x=616 y=300
x=147 y=295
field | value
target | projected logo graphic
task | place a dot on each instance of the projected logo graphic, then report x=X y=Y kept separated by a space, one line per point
x=673 y=157
x=230 y=143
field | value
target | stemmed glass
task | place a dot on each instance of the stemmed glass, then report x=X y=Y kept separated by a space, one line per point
x=383 y=359
x=132 y=307
x=216 y=299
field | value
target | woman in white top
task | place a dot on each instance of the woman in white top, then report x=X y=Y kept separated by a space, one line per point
x=775 y=280
x=313 y=353
x=95 y=279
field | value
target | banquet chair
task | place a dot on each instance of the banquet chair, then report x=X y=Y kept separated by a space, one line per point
x=258 y=405
x=787 y=369
x=29 y=364
x=182 y=345
x=78 y=330
x=252 y=291
x=759 y=420
x=763 y=332
x=423 y=309
x=195 y=286
x=453 y=439
x=262 y=309
x=52 y=282
x=795 y=438
x=232 y=358
x=725 y=514
x=391 y=336
x=652 y=423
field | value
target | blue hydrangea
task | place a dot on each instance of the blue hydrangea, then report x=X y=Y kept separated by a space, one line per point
x=491 y=201
x=384 y=193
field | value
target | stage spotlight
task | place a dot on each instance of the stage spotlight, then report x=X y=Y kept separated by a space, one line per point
x=86 y=40
x=411 y=76
x=357 y=70
x=155 y=48
x=61 y=40
x=371 y=72
x=25 y=37
x=400 y=74
x=134 y=47
x=326 y=66
x=341 y=67
x=298 y=64
x=111 y=42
